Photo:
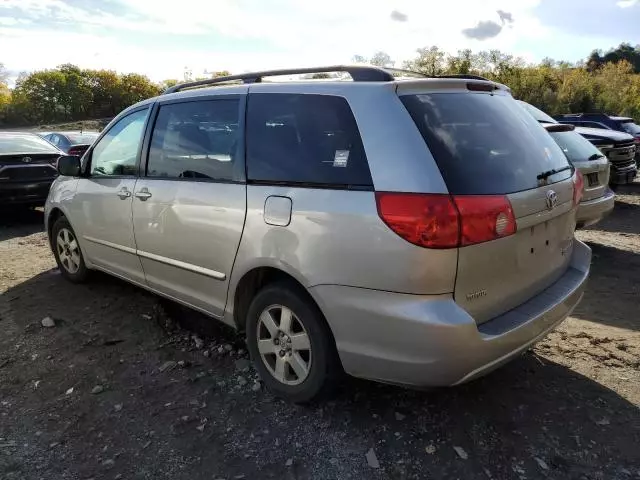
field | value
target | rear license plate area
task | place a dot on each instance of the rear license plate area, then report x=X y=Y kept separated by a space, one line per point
x=592 y=179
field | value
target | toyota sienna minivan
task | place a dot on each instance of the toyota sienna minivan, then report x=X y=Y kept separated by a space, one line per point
x=415 y=231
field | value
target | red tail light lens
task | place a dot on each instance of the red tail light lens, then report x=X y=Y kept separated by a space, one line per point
x=484 y=218
x=445 y=221
x=578 y=187
x=426 y=220
x=76 y=151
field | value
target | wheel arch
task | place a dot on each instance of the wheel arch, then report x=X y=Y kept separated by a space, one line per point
x=255 y=279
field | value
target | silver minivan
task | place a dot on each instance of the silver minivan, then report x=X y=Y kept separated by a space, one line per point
x=416 y=231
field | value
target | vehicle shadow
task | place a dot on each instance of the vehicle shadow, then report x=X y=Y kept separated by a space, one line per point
x=613 y=288
x=623 y=219
x=532 y=418
x=531 y=408
x=20 y=222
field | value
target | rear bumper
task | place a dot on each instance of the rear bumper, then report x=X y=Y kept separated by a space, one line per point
x=27 y=193
x=429 y=340
x=592 y=211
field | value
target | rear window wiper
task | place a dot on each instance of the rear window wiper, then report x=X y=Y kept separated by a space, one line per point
x=595 y=156
x=548 y=173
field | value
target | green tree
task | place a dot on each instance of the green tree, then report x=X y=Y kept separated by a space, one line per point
x=429 y=61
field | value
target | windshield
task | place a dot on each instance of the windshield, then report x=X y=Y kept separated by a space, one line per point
x=15 y=143
x=485 y=144
x=82 y=138
x=631 y=128
x=576 y=147
x=536 y=113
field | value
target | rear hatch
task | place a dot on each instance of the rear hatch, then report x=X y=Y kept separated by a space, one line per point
x=592 y=163
x=491 y=152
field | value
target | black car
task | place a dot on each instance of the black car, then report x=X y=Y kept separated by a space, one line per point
x=619 y=147
x=602 y=121
x=72 y=143
x=27 y=168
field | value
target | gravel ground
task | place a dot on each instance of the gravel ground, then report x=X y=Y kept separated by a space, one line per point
x=116 y=390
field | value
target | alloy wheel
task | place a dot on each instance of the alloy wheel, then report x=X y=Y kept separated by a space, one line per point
x=68 y=250
x=283 y=344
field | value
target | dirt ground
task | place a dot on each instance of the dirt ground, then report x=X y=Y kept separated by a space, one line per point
x=116 y=391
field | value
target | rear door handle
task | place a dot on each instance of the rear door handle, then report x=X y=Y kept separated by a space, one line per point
x=144 y=194
x=124 y=193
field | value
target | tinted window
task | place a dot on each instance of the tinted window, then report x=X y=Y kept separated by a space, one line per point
x=17 y=143
x=196 y=140
x=485 y=144
x=631 y=128
x=116 y=153
x=576 y=147
x=311 y=139
x=538 y=114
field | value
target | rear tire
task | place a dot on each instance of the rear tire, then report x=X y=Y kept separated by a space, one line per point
x=67 y=251
x=290 y=344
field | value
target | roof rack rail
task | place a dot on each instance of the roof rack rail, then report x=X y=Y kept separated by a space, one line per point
x=399 y=71
x=359 y=73
x=464 y=76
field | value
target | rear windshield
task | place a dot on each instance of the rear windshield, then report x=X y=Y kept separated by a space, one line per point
x=538 y=114
x=485 y=143
x=631 y=128
x=82 y=138
x=576 y=147
x=21 y=143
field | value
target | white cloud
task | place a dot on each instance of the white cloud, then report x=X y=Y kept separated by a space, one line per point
x=289 y=32
x=626 y=3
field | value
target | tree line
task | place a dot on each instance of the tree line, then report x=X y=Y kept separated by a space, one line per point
x=605 y=82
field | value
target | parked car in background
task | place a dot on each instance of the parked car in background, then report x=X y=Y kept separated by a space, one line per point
x=598 y=199
x=27 y=168
x=603 y=121
x=72 y=143
x=619 y=147
x=340 y=225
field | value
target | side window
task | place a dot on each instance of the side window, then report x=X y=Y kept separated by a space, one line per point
x=53 y=139
x=312 y=139
x=197 y=140
x=117 y=151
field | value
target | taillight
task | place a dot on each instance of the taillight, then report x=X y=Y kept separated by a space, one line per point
x=76 y=151
x=426 y=220
x=636 y=140
x=484 y=218
x=445 y=221
x=578 y=187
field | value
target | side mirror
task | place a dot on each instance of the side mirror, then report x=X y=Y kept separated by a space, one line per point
x=69 y=166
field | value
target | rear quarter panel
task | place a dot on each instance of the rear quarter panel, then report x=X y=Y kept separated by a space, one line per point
x=335 y=237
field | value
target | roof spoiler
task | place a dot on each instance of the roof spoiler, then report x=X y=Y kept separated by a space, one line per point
x=558 y=127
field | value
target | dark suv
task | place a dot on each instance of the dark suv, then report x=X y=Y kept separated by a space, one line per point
x=606 y=122
x=601 y=120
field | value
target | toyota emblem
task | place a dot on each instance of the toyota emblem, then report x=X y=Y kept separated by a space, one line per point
x=552 y=200
x=26 y=159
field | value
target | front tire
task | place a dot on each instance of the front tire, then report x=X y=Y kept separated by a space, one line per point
x=291 y=344
x=67 y=251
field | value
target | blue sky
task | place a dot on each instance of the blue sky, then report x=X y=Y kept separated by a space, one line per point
x=163 y=38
